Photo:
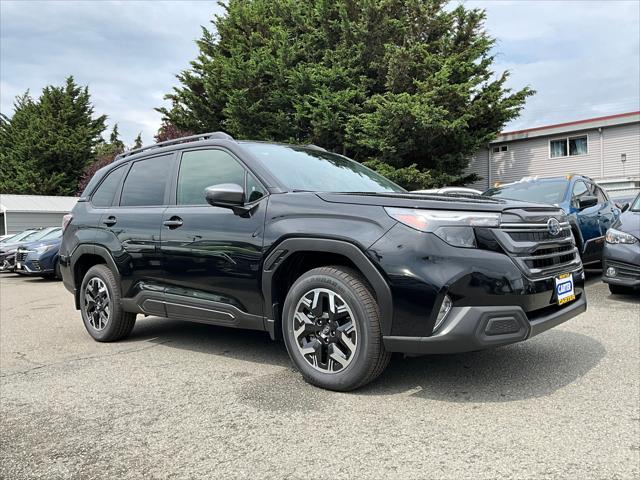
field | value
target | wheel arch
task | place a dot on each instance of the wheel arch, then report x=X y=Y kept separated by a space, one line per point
x=85 y=257
x=294 y=256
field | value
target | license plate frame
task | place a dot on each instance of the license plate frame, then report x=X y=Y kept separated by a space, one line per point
x=565 y=288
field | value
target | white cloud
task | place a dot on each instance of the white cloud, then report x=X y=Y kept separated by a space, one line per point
x=582 y=58
x=127 y=52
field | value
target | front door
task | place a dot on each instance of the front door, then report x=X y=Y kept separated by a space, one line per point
x=212 y=256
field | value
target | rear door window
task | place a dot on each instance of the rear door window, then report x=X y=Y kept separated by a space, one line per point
x=146 y=182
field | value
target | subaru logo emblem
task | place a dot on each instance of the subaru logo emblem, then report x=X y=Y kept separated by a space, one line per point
x=553 y=226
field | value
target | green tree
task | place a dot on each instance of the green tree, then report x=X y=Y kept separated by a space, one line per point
x=403 y=84
x=47 y=143
x=137 y=143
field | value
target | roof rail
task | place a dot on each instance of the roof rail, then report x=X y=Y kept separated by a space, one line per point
x=175 y=141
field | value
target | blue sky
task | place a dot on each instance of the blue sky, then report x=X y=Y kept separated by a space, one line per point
x=582 y=57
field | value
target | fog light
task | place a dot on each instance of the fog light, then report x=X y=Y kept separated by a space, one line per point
x=445 y=307
x=611 y=272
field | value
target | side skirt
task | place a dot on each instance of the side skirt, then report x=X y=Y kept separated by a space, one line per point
x=191 y=310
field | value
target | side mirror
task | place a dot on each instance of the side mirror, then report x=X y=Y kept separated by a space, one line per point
x=226 y=195
x=587 y=201
x=624 y=207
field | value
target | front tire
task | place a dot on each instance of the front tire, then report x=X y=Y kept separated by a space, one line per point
x=331 y=328
x=100 y=306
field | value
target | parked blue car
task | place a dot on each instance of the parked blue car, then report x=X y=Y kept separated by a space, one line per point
x=590 y=210
x=40 y=258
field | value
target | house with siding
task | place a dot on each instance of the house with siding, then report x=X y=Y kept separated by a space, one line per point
x=19 y=212
x=604 y=148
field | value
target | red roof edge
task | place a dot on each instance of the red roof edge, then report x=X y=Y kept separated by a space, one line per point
x=576 y=122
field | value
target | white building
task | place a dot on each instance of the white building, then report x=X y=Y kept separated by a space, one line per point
x=603 y=148
x=19 y=212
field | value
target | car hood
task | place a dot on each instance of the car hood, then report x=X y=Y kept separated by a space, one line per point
x=630 y=223
x=36 y=244
x=434 y=201
x=8 y=247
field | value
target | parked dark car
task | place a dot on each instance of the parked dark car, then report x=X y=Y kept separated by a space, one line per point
x=316 y=249
x=621 y=254
x=589 y=209
x=8 y=250
x=40 y=258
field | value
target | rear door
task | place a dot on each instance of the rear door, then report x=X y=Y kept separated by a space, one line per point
x=212 y=256
x=131 y=228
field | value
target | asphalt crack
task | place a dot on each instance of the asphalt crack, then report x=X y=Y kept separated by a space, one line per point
x=78 y=359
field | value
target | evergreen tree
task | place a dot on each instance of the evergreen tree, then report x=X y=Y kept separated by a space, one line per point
x=404 y=84
x=137 y=143
x=47 y=143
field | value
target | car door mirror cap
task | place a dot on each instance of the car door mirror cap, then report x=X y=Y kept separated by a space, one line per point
x=587 y=201
x=226 y=195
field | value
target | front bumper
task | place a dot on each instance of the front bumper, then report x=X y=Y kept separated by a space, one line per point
x=625 y=259
x=476 y=328
x=7 y=262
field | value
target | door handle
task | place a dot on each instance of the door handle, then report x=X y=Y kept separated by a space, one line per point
x=173 y=222
x=110 y=221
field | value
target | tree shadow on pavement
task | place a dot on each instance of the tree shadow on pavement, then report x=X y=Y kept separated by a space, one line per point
x=531 y=369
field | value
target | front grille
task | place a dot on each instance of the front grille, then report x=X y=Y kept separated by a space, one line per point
x=624 y=270
x=21 y=256
x=538 y=236
x=532 y=246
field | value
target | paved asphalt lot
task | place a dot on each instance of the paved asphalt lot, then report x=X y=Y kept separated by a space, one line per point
x=182 y=400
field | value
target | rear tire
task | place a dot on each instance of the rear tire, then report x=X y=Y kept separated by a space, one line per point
x=331 y=328
x=621 y=290
x=100 y=306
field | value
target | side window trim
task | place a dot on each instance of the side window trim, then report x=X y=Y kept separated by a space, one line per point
x=167 y=186
x=173 y=200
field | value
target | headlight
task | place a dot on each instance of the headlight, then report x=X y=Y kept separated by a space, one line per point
x=40 y=250
x=616 y=236
x=455 y=228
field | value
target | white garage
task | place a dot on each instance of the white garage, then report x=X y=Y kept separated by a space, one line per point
x=19 y=212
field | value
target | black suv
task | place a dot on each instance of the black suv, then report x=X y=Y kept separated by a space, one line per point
x=342 y=264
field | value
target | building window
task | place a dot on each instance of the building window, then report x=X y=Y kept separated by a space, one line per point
x=571 y=146
x=500 y=148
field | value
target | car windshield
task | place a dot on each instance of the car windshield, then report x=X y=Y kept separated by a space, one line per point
x=18 y=236
x=542 y=192
x=635 y=206
x=57 y=233
x=303 y=168
x=37 y=235
x=8 y=239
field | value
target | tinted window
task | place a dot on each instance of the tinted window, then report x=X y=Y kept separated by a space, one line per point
x=303 y=168
x=103 y=196
x=548 y=191
x=146 y=182
x=203 y=168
